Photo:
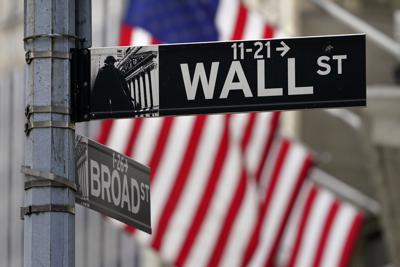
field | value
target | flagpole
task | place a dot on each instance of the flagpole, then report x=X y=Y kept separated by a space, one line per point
x=48 y=212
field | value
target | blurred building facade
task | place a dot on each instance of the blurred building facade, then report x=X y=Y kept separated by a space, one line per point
x=333 y=136
x=343 y=140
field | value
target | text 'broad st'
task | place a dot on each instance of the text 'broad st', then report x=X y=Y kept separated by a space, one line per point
x=112 y=184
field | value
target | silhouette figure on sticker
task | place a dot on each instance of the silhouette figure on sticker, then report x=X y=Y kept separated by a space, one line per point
x=110 y=90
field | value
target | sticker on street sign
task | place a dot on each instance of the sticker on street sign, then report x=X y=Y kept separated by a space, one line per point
x=113 y=184
x=221 y=77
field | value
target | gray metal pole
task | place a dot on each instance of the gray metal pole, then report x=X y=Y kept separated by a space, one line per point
x=49 y=221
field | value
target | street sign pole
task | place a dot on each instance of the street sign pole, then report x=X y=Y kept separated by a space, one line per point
x=49 y=166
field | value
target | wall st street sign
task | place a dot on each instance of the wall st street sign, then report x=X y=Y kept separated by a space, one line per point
x=112 y=184
x=219 y=77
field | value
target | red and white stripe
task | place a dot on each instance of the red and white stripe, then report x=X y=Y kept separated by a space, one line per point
x=284 y=178
x=200 y=173
x=136 y=36
x=322 y=231
x=234 y=22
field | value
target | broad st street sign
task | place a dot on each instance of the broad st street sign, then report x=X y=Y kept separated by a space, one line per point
x=112 y=184
x=219 y=77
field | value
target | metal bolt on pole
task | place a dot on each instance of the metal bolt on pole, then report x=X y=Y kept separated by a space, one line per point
x=48 y=212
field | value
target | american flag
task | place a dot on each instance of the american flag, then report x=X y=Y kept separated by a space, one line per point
x=322 y=230
x=224 y=187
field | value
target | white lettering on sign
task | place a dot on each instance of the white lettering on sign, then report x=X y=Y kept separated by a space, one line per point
x=125 y=193
x=117 y=187
x=145 y=189
x=236 y=70
x=261 y=90
x=135 y=189
x=339 y=59
x=325 y=67
x=120 y=162
x=239 y=50
x=95 y=178
x=208 y=85
x=241 y=83
x=292 y=88
x=105 y=182
x=323 y=63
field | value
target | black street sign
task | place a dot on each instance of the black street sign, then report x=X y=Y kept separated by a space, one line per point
x=112 y=184
x=219 y=77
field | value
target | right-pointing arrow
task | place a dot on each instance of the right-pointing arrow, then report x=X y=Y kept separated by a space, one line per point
x=284 y=49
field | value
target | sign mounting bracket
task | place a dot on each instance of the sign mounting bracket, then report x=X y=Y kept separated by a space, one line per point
x=80 y=84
